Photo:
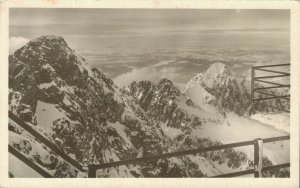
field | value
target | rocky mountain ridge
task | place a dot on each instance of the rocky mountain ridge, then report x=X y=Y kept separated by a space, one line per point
x=53 y=87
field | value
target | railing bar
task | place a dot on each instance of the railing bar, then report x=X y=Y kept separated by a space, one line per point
x=273 y=107
x=280 y=138
x=277 y=65
x=272 y=71
x=260 y=88
x=174 y=154
x=263 y=81
x=187 y=152
x=245 y=172
x=28 y=162
x=265 y=77
x=266 y=93
x=45 y=141
x=267 y=98
x=234 y=174
x=285 y=165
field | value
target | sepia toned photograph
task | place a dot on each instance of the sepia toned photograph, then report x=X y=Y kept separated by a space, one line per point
x=149 y=93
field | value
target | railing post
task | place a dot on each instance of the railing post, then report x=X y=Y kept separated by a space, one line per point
x=92 y=171
x=252 y=89
x=258 y=157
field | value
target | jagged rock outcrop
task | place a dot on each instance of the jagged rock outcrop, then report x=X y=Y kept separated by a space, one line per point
x=165 y=103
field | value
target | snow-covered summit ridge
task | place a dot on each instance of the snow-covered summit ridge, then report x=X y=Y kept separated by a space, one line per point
x=218 y=86
x=44 y=44
x=52 y=50
x=217 y=73
x=216 y=69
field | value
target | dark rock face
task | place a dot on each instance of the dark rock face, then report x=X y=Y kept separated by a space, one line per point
x=161 y=102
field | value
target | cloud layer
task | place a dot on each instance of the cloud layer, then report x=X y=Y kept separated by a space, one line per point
x=151 y=73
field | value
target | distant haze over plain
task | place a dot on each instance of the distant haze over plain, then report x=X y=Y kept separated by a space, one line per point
x=137 y=44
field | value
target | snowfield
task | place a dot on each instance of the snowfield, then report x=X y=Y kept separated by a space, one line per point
x=238 y=129
x=47 y=113
x=279 y=121
x=21 y=170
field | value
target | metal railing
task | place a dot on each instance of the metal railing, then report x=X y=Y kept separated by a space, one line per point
x=92 y=168
x=258 y=157
x=43 y=140
x=28 y=162
x=262 y=79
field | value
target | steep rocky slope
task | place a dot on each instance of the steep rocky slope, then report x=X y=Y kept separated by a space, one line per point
x=165 y=103
x=55 y=90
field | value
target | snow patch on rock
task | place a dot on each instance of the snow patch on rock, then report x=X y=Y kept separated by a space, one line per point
x=47 y=113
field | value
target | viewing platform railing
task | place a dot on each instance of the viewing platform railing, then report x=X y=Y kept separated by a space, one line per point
x=92 y=168
x=266 y=80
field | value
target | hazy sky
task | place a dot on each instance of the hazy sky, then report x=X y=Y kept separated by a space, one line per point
x=92 y=28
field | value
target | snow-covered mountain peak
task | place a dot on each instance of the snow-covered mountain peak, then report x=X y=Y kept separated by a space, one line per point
x=47 y=70
x=218 y=87
x=50 y=40
x=43 y=46
x=54 y=51
x=216 y=74
x=217 y=68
